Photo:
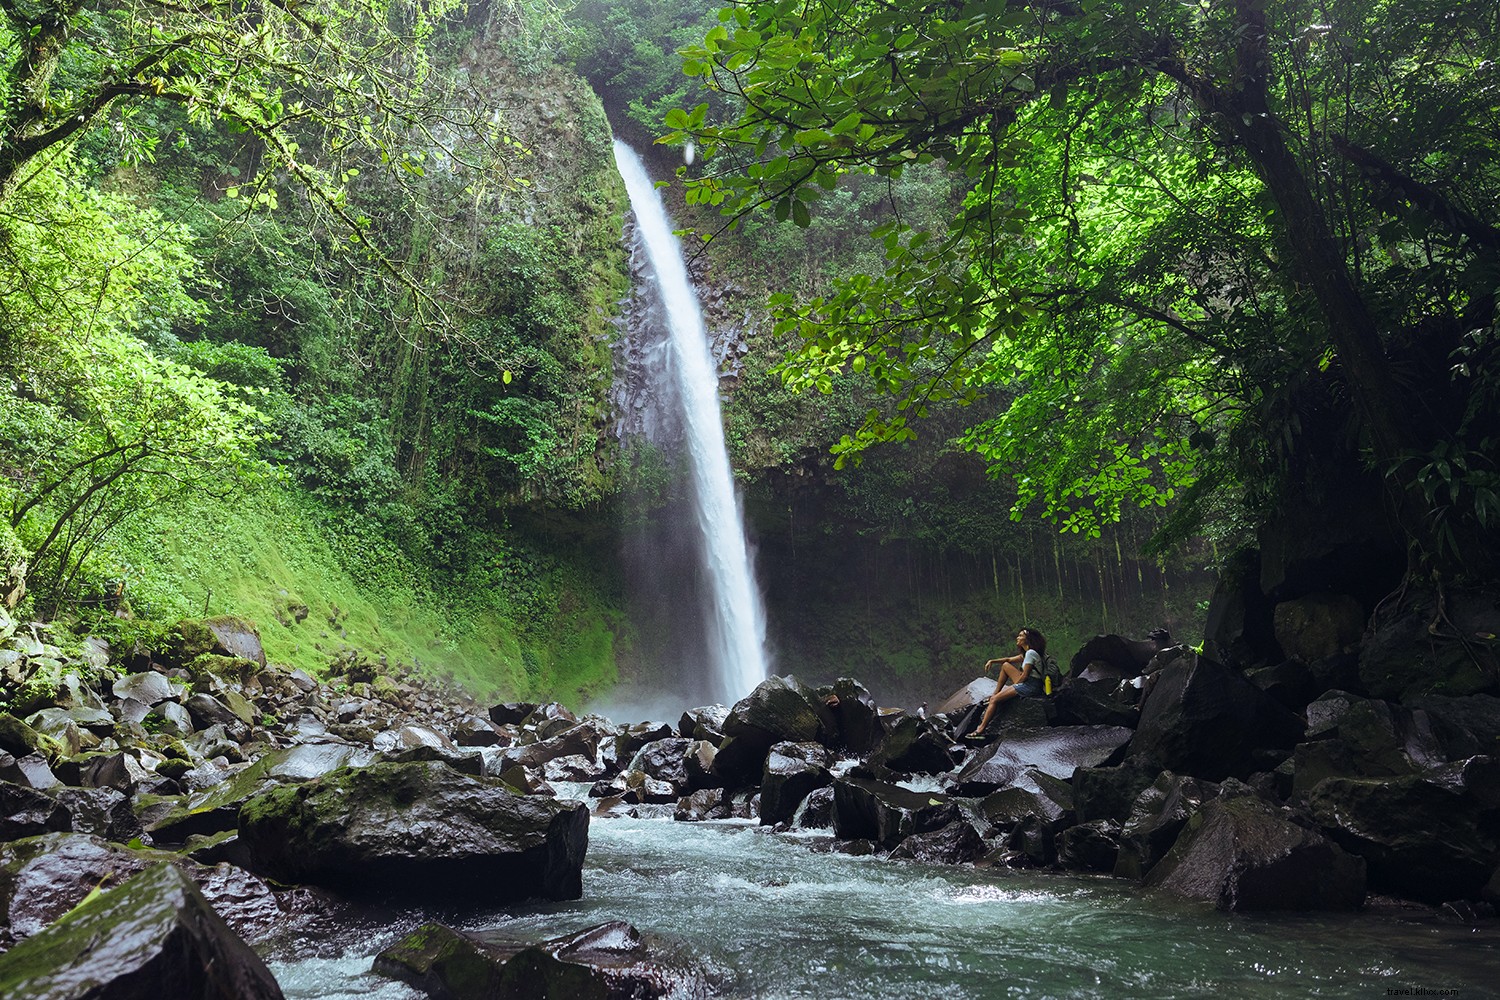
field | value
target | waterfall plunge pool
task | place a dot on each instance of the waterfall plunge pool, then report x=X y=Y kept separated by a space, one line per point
x=776 y=918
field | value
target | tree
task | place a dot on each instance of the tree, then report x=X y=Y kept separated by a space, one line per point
x=94 y=427
x=1189 y=228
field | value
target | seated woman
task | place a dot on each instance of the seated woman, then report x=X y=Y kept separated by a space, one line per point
x=1023 y=671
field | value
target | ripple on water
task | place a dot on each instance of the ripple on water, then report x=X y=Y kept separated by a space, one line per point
x=786 y=923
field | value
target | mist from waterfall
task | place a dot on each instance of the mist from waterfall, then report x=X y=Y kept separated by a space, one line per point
x=737 y=625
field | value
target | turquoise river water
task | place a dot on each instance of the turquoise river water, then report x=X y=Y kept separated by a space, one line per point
x=775 y=918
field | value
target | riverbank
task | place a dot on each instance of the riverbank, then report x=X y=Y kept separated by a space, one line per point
x=294 y=804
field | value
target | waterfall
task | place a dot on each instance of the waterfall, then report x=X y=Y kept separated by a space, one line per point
x=737 y=627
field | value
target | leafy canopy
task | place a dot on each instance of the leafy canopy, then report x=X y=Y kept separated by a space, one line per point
x=1190 y=232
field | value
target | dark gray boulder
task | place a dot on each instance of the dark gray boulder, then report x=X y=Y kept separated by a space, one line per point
x=1058 y=751
x=1156 y=818
x=147 y=688
x=703 y=723
x=914 y=746
x=1037 y=803
x=1096 y=703
x=664 y=760
x=1127 y=657
x=955 y=844
x=1405 y=658
x=151 y=938
x=976 y=692
x=1089 y=847
x=236 y=637
x=1350 y=736
x=1432 y=837
x=1465 y=727
x=418 y=827
x=866 y=808
x=103 y=812
x=705 y=803
x=43 y=877
x=1201 y=718
x=611 y=961
x=29 y=812
x=1109 y=792
x=779 y=710
x=817 y=810
x=1246 y=854
x=1291 y=683
x=511 y=713
x=858 y=726
x=792 y=771
x=1317 y=626
x=573 y=740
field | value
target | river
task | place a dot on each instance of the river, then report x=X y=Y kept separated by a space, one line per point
x=778 y=917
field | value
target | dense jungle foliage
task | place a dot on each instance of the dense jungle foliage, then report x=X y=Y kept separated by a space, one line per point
x=1205 y=255
x=306 y=311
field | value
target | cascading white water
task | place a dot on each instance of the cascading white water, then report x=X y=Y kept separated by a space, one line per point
x=738 y=628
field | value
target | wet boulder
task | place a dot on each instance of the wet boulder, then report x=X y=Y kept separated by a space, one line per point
x=148 y=688
x=1033 y=798
x=1089 y=847
x=575 y=768
x=703 y=723
x=1109 y=792
x=1291 y=683
x=858 y=726
x=43 y=877
x=665 y=760
x=421 y=827
x=1245 y=854
x=236 y=637
x=816 y=811
x=103 y=812
x=573 y=740
x=1404 y=658
x=866 y=808
x=1156 y=818
x=611 y=961
x=1125 y=657
x=511 y=713
x=705 y=803
x=153 y=936
x=914 y=746
x=779 y=710
x=1201 y=718
x=1096 y=703
x=473 y=731
x=1431 y=837
x=28 y=812
x=213 y=810
x=1058 y=751
x=1465 y=727
x=1317 y=626
x=32 y=770
x=19 y=739
x=792 y=771
x=976 y=692
x=954 y=844
x=1350 y=736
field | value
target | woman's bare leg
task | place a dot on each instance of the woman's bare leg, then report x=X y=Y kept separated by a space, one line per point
x=1002 y=692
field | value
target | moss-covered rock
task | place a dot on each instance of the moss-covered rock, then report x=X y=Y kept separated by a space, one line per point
x=185 y=642
x=154 y=936
x=418 y=827
x=17 y=738
x=171 y=820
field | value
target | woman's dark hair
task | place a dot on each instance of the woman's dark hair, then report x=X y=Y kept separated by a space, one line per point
x=1035 y=640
